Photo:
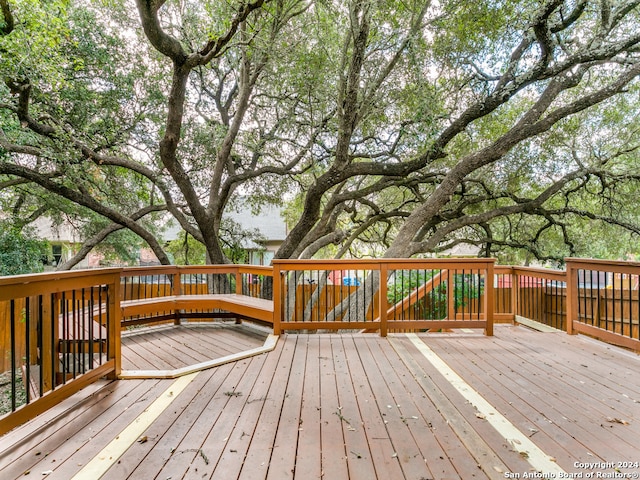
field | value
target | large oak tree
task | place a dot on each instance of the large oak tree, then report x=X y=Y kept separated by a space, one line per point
x=392 y=127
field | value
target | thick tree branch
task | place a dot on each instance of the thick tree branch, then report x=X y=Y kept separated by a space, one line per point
x=90 y=243
x=89 y=202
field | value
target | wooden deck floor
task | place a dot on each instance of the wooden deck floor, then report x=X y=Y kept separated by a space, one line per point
x=171 y=347
x=446 y=406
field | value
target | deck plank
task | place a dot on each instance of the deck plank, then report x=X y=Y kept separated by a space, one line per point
x=500 y=391
x=190 y=448
x=430 y=454
x=147 y=459
x=359 y=407
x=232 y=460
x=283 y=455
x=174 y=346
x=258 y=458
x=381 y=449
x=93 y=425
x=537 y=389
x=357 y=453
x=214 y=448
x=308 y=455
x=334 y=456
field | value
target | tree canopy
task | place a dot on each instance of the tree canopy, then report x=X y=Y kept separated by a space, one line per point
x=394 y=128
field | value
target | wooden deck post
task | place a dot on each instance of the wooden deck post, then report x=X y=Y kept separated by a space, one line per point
x=277 y=298
x=572 y=295
x=176 y=290
x=176 y=283
x=113 y=308
x=489 y=292
x=515 y=284
x=238 y=282
x=382 y=299
x=451 y=295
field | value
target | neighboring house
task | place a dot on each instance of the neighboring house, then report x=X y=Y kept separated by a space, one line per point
x=461 y=250
x=65 y=242
x=269 y=225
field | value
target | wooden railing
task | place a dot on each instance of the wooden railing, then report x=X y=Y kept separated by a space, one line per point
x=383 y=295
x=61 y=331
x=540 y=295
x=154 y=282
x=604 y=300
x=599 y=298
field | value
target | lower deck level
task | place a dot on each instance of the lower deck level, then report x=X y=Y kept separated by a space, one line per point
x=357 y=406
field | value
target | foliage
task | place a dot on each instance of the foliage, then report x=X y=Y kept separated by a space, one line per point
x=20 y=251
x=185 y=250
x=391 y=128
x=433 y=304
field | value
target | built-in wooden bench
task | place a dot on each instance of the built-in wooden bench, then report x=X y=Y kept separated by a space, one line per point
x=241 y=305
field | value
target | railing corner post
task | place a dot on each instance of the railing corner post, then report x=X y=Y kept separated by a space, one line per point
x=382 y=301
x=277 y=299
x=489 y=292
x=176 y=287
x=515 y=289
x=114 y=328
x=176 y=290
x=572 y=294
x=238 y=282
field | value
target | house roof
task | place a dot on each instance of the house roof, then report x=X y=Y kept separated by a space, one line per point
x=268 y=222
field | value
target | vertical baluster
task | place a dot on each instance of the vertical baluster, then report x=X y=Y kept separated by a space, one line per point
x=91 y=322
x=27 y=322
x=52 y=347
x=613 y=302
x=630 y=309
x=75 y=334
x=65 y=337
x=85 y=329
x=108 y=320
x=40 y=344
x=12 y=339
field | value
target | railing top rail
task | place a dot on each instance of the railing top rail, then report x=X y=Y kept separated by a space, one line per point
x=391 y=263
x=52 y=276
x=148 y=270
x=186 y=269
x=44 y=283
x=502 y=269
x=622 y=266
x=541 y=273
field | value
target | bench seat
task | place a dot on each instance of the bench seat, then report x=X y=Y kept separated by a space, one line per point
x=242 y=305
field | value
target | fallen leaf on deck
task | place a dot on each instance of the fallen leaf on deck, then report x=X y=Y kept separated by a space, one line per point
x=617 y=420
